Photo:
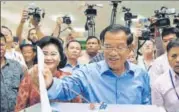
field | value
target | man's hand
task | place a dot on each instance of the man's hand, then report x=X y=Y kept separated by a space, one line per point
x=24 y=15
x=138 y=32
x=59 y=21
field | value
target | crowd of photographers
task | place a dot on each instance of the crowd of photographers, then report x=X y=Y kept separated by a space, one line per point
x=155 y=51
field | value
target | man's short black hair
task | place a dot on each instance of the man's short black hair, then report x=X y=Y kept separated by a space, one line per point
x=67 y=45
x=117 y=28
x=173 y=43
x=169 y=30
x=2 y=36
x=91 y=37
x=52 y=40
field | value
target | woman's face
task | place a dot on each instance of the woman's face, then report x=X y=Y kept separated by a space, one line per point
x=52 y=56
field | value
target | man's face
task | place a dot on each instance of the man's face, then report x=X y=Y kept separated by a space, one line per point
x=28 y=53
x=167 y=39
x=148 y=47
x=2 y=48
x=33 y=35
x=116 y=50
x=173 y=58
x=73 y=51
x=92 y=46
x=8 y=35
x=131 y=57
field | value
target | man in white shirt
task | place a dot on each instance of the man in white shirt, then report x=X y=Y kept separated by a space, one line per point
x=11 y=53
x=160 y=65
x=165 y=91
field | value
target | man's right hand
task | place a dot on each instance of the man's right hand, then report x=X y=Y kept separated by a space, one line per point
x=24 y=15
x=59 y=21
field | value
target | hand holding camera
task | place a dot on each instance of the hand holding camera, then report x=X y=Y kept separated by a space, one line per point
x=24 y=16
x=59 y=21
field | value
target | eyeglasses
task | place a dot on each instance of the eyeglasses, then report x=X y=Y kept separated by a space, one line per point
x=119 y=48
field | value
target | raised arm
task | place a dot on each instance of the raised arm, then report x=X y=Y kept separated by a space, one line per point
x=19 y=29
x=56 y=32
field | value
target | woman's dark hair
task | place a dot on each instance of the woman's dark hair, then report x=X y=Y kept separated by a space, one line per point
x=173 y=43
x=117 y=28
x=67 y=45
x=52 y=40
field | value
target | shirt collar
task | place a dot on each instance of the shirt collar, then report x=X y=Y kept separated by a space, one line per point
x=68 y=64
x=104 y=68
x=7 y=61
x=176 y=77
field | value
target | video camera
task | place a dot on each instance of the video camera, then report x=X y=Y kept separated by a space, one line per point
x=66 y=20
x=176 y=20
x=128 y=15
x=90 y=11
x=147 y=33
x=36 y=12
x=162 y=18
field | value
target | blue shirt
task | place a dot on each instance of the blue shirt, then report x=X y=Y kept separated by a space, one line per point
x=69 y=68
x=97 y=83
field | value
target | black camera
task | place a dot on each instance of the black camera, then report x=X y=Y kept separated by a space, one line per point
x=90 y=11
x=176 y=20
x=162 y=17
x=147 y=33
x=162 y=22
x=66 y=20
x=128 y=15
x=36 y=12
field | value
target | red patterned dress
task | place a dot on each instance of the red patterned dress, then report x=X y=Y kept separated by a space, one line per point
x=29 y=95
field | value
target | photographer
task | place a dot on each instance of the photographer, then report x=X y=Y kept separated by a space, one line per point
x=11 y=52
x=35 y=24
x=147 y=57
x=58 y=29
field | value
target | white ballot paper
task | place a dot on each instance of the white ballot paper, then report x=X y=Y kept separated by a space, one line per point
x=45 y=105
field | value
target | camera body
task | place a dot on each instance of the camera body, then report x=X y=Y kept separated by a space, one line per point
x=66 y=20
x=162 y=22
x=36 y=12
x=128 y=15
x=147 y=33
x=176 y=19
x=90 y=11
x=163 y=19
